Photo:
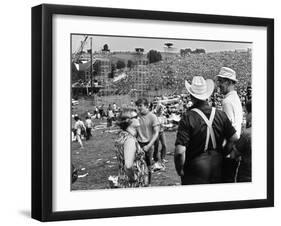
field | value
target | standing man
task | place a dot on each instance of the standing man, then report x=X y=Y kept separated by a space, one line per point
x=148 y=132
x=110 y=116
x=201 y=132
x=159 y=111
x=232 y=106
x=89 y=125
x=231 y=103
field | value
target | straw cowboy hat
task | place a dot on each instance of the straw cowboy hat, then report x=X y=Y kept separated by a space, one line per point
x=200 y=88
x=227 y=73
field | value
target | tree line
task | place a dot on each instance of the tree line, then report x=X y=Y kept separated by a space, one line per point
x=187 y=52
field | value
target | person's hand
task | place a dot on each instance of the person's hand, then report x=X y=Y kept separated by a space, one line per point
x=146 y=148
x=234 y=154
x=181 y=173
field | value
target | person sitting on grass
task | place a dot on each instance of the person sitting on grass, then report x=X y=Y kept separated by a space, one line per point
x=133 y=171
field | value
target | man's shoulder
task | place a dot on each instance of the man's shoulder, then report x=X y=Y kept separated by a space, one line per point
x=148 y=116
x=227 y=99
x=151 y=115
x=189 y=113
x=206 y=109
x=220 y=113
x=231 y=96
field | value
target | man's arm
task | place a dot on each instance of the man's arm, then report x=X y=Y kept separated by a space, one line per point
x=179 y=159
x=227 y=108
x=229 y=145
x=83 y=125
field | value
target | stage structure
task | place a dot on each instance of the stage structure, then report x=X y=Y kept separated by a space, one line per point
x=140 y=73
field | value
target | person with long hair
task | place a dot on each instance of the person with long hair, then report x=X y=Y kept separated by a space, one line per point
x=133 y=171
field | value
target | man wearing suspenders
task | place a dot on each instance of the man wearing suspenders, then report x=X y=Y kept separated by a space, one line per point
x=201 y=132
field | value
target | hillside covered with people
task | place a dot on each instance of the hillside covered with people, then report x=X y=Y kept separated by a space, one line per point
x=171 y=73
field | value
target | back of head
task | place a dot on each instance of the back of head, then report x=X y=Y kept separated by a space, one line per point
x=125 y=118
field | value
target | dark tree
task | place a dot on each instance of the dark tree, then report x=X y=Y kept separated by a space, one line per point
x=182 y=52
x=130 y=64
x=105 y=48
x=120 y=64
x=139 y=50
x=199 y=51
x=154 y=56
x=185 y=52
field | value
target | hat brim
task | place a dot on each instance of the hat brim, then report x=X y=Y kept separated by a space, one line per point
x=210 y=89
x=233 y=79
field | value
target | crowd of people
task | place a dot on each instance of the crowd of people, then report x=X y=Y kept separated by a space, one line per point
x=211 y=146
x=171 y=73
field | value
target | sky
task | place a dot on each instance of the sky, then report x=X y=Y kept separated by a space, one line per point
x=119 y=43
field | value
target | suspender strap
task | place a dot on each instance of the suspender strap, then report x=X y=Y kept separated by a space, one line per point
x=210 y=131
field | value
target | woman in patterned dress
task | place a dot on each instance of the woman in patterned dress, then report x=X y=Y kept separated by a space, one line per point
x=133 y=171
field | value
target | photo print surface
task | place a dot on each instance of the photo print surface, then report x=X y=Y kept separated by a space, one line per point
x=150 y=112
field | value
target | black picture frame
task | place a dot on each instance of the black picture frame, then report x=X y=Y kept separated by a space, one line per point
x=42 y=107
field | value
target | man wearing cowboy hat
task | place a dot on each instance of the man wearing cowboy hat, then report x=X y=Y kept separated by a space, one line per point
x=201 y=132
x=231 y=105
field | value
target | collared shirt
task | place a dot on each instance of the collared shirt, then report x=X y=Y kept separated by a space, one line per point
x=192 y=130
x=232 y=106
x=147 y=124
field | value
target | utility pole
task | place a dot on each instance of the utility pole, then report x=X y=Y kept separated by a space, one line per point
x=91 y=67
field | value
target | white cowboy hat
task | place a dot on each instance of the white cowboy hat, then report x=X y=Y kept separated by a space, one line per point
x=227 y=73
x=200 y=88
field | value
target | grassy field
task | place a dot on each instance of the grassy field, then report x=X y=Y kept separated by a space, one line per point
x=98 y=161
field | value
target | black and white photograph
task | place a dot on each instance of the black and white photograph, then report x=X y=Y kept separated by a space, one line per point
x=140 y=112
x=152 y=111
